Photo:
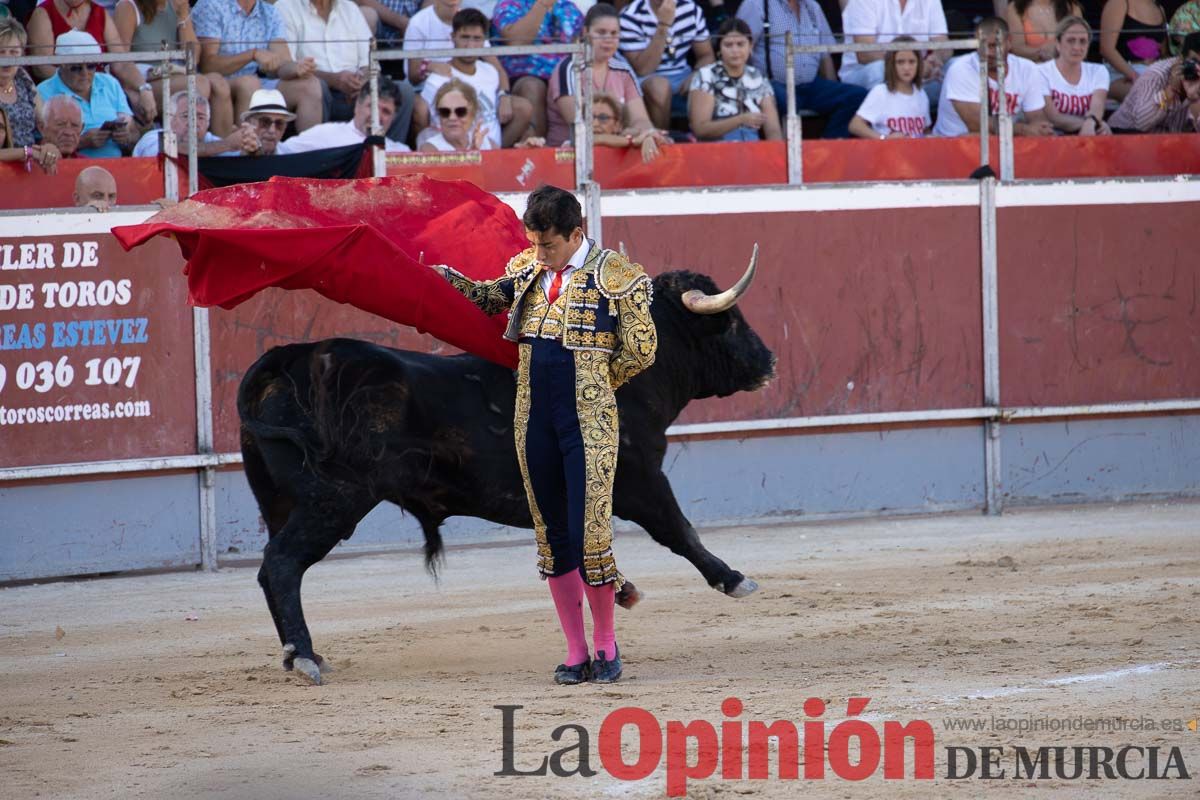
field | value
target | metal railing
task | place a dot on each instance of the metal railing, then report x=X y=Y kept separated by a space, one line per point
x=795 y=138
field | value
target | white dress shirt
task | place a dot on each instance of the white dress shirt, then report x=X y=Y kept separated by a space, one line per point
x=575 y=262
x=340 y=45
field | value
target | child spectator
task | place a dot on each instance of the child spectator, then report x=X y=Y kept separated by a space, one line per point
x=507 y=117
x=896 y=108
x=611 y=74
x=1075 y=90
x=882 y=21
x=730 y=100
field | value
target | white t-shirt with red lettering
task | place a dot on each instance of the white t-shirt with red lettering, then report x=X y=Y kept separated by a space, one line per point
x=1072 y=99
x=891 y=112
x=1022 y=87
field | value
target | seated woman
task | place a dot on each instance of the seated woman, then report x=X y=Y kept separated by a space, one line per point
x=44 y=155
x=896 y=108
x=1033 y=23
x=611 y=74
x=609 y=129
x=145 y=25
x=457 y=107
x=18 y=94
x=729 y=100
x=1076 y=91
x=1133 y=35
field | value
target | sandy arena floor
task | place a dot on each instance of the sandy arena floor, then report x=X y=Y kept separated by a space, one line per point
x=169 y=685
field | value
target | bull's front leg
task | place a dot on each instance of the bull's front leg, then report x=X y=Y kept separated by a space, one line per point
x=286 y=558
x=656 y=510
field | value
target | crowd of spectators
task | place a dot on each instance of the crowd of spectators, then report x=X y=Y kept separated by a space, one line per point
x=291 y=76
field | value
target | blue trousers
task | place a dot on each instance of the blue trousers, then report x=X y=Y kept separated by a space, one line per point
x=839 y=100
x=554 y=452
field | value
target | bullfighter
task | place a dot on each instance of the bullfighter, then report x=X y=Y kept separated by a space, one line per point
x=581 y=317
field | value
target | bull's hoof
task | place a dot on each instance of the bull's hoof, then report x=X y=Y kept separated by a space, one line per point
x=629 y=596
x=290 y=662
x=743 y=588
x=309 y=669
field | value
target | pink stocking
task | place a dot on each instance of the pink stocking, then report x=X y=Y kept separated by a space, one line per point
x=567 y=591
x=603 y=600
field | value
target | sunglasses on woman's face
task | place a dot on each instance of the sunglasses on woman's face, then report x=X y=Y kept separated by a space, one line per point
x=458 y=111
x=603 y=117
x=77 y=68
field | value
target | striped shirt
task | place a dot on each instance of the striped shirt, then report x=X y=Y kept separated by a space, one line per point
x=810 y=28
x=1147 y=108
x=638 y=24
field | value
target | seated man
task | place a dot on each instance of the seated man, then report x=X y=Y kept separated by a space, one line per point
x=656 y=36
x=507 y=117
x=1166 y=97
x=393 y=18
x=817 y=87
x=264 y=122
x=95 y=187
x=866 y=21
x=244 y=41
x=354 y=131
x=519 y=22
x=61 y=123
x=209 y=143
x=108 y=124
x=958 y=109
x=336 y=37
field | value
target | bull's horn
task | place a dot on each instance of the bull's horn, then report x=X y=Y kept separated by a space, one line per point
x=698 y=302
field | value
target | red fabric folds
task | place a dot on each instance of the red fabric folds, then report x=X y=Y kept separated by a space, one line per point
x=362 y=242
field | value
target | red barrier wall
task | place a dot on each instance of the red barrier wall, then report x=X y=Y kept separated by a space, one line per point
x=140 y=181
x=867 y=310
x=1099 y=303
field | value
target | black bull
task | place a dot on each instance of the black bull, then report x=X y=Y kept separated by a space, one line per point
x=330 y=429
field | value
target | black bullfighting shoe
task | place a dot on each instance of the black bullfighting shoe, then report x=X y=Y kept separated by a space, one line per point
x=604 y=671
x=571 y=675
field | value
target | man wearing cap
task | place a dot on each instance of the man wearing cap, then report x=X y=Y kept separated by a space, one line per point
x=264 y=122
x=108 y=124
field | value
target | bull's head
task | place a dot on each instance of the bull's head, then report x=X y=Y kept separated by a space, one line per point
x=702 y=329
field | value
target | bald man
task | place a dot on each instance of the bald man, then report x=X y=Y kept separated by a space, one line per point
x=97 y=188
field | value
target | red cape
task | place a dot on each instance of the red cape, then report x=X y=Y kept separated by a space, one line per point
x=364 y=242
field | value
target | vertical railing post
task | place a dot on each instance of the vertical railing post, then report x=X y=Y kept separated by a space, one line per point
x=378 y=154
x=169 y=144
x=985 y=132
x=991 y=342
x=1005 y=119
x=193 y=156
x=795 y=152
x=585 y=164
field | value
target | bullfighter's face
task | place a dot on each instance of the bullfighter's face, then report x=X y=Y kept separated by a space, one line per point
x=553 y=249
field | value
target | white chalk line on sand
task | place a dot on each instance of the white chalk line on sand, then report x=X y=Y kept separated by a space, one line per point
x=1068 y=680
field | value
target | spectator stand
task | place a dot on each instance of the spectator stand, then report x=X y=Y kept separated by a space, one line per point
x=793 y=129
x=585 y=178
x=166 y=58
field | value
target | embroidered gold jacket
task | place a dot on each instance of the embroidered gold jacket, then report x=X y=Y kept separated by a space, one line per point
x=607 y=307
x=603 y=314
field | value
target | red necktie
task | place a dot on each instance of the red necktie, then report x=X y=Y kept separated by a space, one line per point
x=555 y=286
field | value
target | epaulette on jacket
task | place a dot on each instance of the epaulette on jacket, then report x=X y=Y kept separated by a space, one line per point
x=521 y=262
x=617 y=276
